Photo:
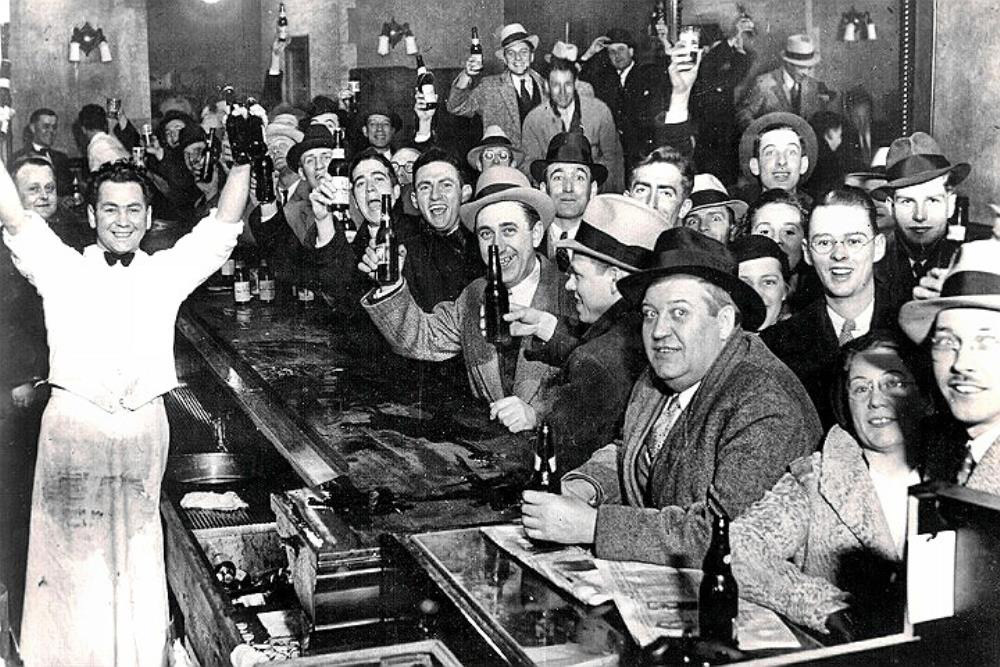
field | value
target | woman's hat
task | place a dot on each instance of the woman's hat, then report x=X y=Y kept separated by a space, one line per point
x=501 y=183
x=572 y=147
x=617 y=230
x=493 y=136
x=917 y=159
x=758 y=246
x=683 y=251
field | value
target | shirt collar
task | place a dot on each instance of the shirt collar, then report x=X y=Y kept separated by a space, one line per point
x=95 y=254
x=787 y=79
x=38 y=148
x=982 y=442
x=862 y=323
x=622 y=75
x=523 y=293
x=685 y=396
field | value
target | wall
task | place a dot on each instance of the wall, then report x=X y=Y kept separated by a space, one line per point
x=202 y=46
x=967 y=96
x=43 y=75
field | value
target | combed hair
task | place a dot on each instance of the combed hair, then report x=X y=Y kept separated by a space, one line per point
x=93 y=117
x=847 y=195
x=774 y=196
x=438 y=154
x=25 y=160
x=38 y=113
x=119 y=171
x=372 y=153
x=771 y=128
x=529 y=212
x=562 y=65
x=670 y=155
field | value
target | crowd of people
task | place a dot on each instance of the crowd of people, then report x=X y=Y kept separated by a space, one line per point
x=759 y=296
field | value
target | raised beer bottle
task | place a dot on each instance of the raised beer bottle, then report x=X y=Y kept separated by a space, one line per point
x=476 y=48
x=213 y=151
x=282 y=23
x=386 y=246
x=496 y=301
x=425 y=84
x=340 y=171
x=718 y=596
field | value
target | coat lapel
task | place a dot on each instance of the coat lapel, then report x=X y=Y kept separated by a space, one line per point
x=986 y=474
x=530 y=374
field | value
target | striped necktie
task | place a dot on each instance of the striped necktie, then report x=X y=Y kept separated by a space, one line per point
x=965 y=470
x=847 y=332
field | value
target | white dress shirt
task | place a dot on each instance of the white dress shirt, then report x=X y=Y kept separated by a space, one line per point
x=555 y=233
x=623 y=75
x=517 y=79
x=523 y=293
x=979 y=445
x=893 y=493
x=862 y=323
x=110 y=329
x=567 y=115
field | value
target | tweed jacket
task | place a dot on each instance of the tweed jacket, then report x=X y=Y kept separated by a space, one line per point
x=768 y=94
x=543 y=122
x=818 y=537
x=452 y=328
x=748 y=419
x=586 y=404
x=896 y=273
x=494 y=98
x=945 y=444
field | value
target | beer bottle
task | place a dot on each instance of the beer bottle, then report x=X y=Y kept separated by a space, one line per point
x=339 y=169
x=545 y=472
x=305 y=294
x=476 y=49
x=496 y=301
x=241 y=285
x=425 y=83
x=265 y=282
x=386 y=247
x=959 y=222
x=718 y=596
x=282 y=23
x=213 y=151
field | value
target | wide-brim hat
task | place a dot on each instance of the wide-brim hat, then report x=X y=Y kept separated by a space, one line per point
x=708 y=191
x=875 y=170
x=972 y=282
x=316 y=136
x=511 y=33
x=917 y=159
x=617 y=230
x=282 y=129
x=683 y=251
x=574 y=148
x=501 y=183
x=493 y=136
x=620 y=36
x=800 y=50
x=768 y=121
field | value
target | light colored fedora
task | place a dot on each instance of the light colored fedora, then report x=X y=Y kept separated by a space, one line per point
x=514 y=32
x=617 y=230
x=708 y=191
x=500 y=183
x=800 y=50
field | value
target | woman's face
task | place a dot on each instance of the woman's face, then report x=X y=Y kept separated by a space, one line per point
x=782 y=223
x=884 y=401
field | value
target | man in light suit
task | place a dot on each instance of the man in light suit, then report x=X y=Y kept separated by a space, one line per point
x=791 y=87
x=963 y=325
x=503 y=99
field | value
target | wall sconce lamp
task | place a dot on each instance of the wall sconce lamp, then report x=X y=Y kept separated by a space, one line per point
x=857 y=26
x=391 y=33
x=85 y=40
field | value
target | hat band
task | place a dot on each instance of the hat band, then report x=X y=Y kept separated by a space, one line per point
x=488 y=190
x=971 y=283
x=790 y=55
x=495 y=141
x=669 y=259
x=707 y=197
x=915 y=165
x=602 y=242
x=514 y=37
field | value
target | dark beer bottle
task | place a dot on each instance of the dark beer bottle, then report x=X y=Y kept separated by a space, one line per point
x=386 y=246
x=213 y=151
x=282 y=23
x=496 y=301
x=718 y=596
x=265 y=283
x=476 y=49
x=425 y=83
x=545 y=471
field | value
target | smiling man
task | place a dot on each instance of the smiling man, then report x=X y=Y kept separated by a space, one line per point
x=963 y=327
x=842 y=243
x=96 y=591
x=778 y=150
x=663 y=180
x=509 y=213
x=713 y=411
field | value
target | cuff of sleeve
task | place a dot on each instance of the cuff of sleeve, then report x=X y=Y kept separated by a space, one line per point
x=377 y=295
x=31 y=226
x=599 y=495
x=421 y=137
x=678 y=111
x=273 y=72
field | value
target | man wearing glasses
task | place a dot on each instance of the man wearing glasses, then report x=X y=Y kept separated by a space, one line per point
x=501 y=99
x=842 y=243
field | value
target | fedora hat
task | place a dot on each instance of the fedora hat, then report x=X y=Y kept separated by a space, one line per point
x=506 y=184
x=766 y=122
x=279 y=128
x=191 y=134
x=563 y=50
x=708 y=191
x=570 y=147
x=617 y=230
x=493 y=136
x=973 y=281
x=875 y=170
x=511 y=33
x=683 y=251
x=800 y=50
x=316 y=136
x=917 y=159
x=620 y=36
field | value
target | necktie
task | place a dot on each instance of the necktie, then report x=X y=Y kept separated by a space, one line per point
x=662 y=426
x=847 y=332
x=525 y=95
x=562 y=255
x=797 y=98
x=113 y=258
x=965 y=470
x=919 y=269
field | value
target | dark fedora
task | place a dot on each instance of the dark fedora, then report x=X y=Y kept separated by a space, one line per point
x=570 y=147
x=620 y=36
x=683 y=251
x=191 y=134
x=316 y=136
x=917 y=159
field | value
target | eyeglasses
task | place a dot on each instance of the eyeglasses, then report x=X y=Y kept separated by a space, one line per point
x=824 y=245
x=501 y=154
x=404 y=166
x=943 y=345
x=860 y=390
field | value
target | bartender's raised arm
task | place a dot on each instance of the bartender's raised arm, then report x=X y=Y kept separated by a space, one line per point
x=233 y=198
x=11 y=210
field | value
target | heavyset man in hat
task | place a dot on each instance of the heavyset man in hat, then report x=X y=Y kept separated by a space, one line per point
x=713 y=212
x=509 y=213
x=714 y=410
x=777 y=151
x=568 y=111
x=919 y=191
x=791 y=87
x=961 y=327
x=495 y=148
x=501 y=99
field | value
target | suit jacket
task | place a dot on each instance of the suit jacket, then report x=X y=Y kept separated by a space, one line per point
x=586 y=404
x=768 y=94
x=896 y=274
x=60 y=165
x=452 y=328
x=494 y=98
x=945 y=445
x=544 y=122
x=818 y=534
x=748 y=419
x=807 y=344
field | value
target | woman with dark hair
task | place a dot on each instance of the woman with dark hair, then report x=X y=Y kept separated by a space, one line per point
x=824 y=546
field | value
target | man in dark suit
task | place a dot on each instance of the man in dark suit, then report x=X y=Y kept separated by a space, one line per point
x=42 y=127
x=636 y=93
x=842 y=243
x=920 y=194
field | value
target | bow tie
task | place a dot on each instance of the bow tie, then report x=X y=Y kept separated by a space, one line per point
x=113 y=258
